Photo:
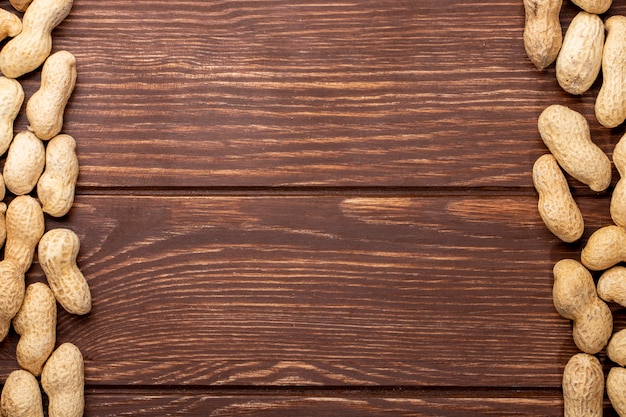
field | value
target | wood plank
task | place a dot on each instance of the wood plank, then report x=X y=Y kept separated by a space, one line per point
x=265 y=93
x=331 y=291
x=271 y=403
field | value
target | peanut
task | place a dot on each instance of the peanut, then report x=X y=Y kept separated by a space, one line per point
x=543 y=36
x=556 y=206
x=12 y=289
x=57 y=184
x=45 y=108
x=35 y=322
x=566 y=134
x=20 y=5
x=583 y=386
x=610 y=106
x=28 y=50
x=63 y=379
x=58 y=249
x=575 y=298
x=579 y=60
x=612 y=285
x=21 y=396
x=11 y=99
x=3 y=223
x=615 y=389
x=593 y=6
x=24 y=163
x=605 y=248
x=618 y=198
x=10 y=24
x=25 y=226
x=616 y=349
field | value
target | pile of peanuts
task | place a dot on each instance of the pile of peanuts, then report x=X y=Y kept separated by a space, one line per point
x=39 y=178
x=590 y=45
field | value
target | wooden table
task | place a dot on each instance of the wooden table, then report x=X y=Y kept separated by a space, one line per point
x=314 y=208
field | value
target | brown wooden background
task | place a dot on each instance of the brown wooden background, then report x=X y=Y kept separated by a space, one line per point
x=314 y=208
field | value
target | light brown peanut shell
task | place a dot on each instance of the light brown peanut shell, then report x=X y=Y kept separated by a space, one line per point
x=605 y=248
x=57 y=184
x=618 y=197
x=616 y=389
x=25 y=226
x=21 y=396
x=612 y=285
x=556 y=206
x=35 y=322
x=616 y=349
x=58 y=250
x=566 y=134
x=583 y=386
x=543 y=35
x=28 y=50
x=580 y=58
x=610 y=106
x=20 y=5
x=12 y=290
x=593 y=6
x=11 y=99
x=46 y=106
x=63 y=379
x=575 y=298
x=10 y=24
x=24 y=163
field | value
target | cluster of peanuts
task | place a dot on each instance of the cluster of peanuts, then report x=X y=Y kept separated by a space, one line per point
x=39 y=178
x=590 y=45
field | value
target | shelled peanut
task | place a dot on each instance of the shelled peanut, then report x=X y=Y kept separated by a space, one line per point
x=40 y=174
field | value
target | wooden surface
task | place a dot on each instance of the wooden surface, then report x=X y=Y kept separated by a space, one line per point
x=314 y=209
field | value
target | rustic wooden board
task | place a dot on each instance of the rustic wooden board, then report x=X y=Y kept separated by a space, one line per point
x=274 y=93
x=352 y=291
x=305 y=404
x=314 y=208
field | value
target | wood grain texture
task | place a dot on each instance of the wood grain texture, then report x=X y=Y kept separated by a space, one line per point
x=424 y=291
x=276 y=93
x=371 y=403
x=314 y=208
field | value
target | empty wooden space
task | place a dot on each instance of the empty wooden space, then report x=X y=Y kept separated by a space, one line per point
x=314 y=208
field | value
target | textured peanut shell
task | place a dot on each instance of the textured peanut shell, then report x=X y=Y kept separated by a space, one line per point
x=28 y=50
x=57 y=184
x=566 y=134
x=63 y=380
x=20 y=5
x=12 y=290
x=557 y=207
x=543 y=35
x=612 y=285
x=575 y=298
x=616 y=389
x=46 y=107
x=24 y=163
x=10 y=24
x=21 y=396
x=605 y=248
x=35 y=322
x=580 y=58
x=3 y=223
x=593 y=6
x=58 y=250
x=583 y=386
x=11 y=99
x=25 y=226
x=618 y=197
x=616 y=349
x=610 y=106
